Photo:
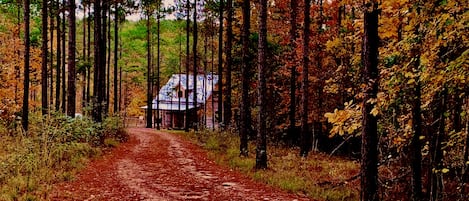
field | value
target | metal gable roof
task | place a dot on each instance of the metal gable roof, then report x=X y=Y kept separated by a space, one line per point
x=168 y=94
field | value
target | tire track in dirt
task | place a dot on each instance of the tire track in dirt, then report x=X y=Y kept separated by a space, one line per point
x=155 y=165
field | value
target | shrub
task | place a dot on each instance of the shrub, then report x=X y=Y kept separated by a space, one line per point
x=54 y=148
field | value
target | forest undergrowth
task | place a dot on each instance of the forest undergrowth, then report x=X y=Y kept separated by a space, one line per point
x=318 y=176
x=53 y=150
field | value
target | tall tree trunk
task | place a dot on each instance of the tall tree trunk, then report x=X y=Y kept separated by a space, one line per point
x=415 y=145
x=51 y=60
x=116 y=47
x=436 y=150
x=220 y=63
x=149 y=78
x=261 y=144
x=186 y=91
x=292 y=59
x=88 y=53
x=98 y=67
x=108 y=62
x=71 y=87
x=84 y=71
x=64 y=58
x=44 y=50
x=194 y=52
x=229 y=62
x=158 y=60
x=84 y=30
x=59 y=59
x=305 y=134
x=245 y=124
x=213 y=72
x=27 y=44
x=369 y=149
x=88 y=56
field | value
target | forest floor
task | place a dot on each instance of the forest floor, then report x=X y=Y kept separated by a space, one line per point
x=156 y=165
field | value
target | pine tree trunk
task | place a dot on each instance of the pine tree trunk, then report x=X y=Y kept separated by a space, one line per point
x=292 y=59
x=149 y=85
x=59 y=59
x=71 y=87
x=186 y=91
x=261 y=144
x=108 y=62
x=158 y=63
x=436 y=151
x=194 y=52
x=116 y=47
x=98 y=68
x=245 y=120
x=220 y=63
x=229 y=62
x=369 y=149
x=27 y=44
x=64 y=58
x=88 y=57
x=416 y=147
x=84 y=82
x=44 y=50
x=305 y=134
x=51 y=60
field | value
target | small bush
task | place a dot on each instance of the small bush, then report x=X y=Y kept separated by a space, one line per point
x=54 y=148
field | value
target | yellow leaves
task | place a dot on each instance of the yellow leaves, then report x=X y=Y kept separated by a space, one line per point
x=444 y=170
x=346 y=121
x=332 y=44
x=374 y=111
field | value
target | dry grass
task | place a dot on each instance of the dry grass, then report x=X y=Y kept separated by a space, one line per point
x=52 y=151
x=318 y=176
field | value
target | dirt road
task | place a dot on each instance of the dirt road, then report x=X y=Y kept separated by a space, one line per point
x=156 y=165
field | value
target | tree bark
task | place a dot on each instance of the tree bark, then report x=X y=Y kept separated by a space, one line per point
x=71 y=88
x=292 y=59
x=186 y=91
x=194 y=52
x=59 y=59
x=27 y=47
x=64 y=58
x=245 y=123
x=415 y=145
x=108 y=62
x=436 y=151
x=149 y=78
x=261 y=144
x=229 y=62
x=369 y=149
x=158 y=66
x=88 y=57
x=51 y=60
x=305 y=134
x=98 y=67
x=44 y=52
x=220 y=63
x=116 y=58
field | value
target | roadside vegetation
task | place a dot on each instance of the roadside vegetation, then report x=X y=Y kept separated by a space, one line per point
x=53 y=150
x=318 y=176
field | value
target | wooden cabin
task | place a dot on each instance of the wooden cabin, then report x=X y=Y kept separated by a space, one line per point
x=175 y=97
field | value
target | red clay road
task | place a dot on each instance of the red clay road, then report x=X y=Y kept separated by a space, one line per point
x=155 y=165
